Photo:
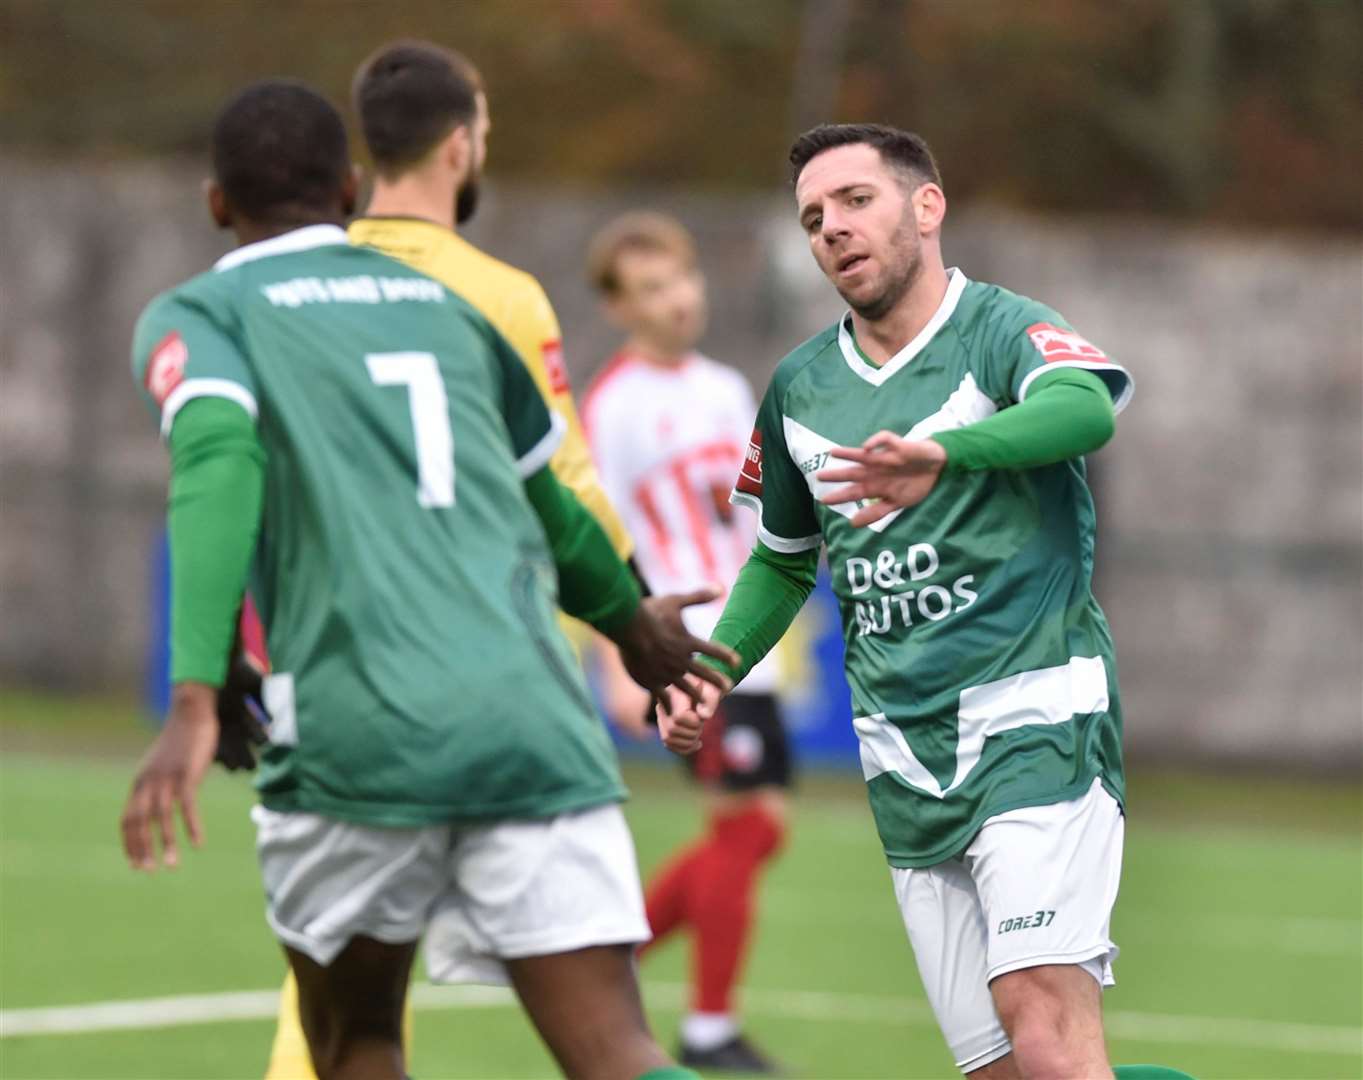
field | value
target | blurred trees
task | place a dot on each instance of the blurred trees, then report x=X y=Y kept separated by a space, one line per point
x=1244 y=111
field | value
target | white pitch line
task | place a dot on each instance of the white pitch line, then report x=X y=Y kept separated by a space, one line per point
x=786 y=1004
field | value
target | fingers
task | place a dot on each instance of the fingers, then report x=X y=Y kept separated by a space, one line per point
x=189 y=811
x=859 y=454
x=705 y=673
x=842 y=476
x=136 y=830
x=851 y=493
x=868 y=515
x=164 y=804
x=683 y=734
x=883 y=440
x=722 y=653
x=699 y=596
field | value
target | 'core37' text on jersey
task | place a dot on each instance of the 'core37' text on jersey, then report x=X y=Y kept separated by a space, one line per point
x=406 y=584
x=981 y=667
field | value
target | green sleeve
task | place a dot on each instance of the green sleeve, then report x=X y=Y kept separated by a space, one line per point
x=594 y=585
x=767 y=595
x=1067 y=413
x=217 y=481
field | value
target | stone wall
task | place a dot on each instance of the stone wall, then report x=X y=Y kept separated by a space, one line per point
x=1231 y=552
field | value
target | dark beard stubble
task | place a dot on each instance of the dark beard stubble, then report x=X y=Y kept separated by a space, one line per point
x=900 y=280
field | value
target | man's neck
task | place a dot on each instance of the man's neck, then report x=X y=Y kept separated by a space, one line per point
x=253 y=232
x=882 y=338
x=653 y=354
x=415 y=194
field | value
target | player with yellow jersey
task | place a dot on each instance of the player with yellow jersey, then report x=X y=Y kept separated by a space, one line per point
x=428 y=157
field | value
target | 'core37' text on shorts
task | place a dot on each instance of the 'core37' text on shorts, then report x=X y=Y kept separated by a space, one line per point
x=1036 y=886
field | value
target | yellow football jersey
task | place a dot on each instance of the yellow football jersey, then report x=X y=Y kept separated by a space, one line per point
x=516 y=305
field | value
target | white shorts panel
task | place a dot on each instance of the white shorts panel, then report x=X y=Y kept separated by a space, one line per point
x=988 y=913
x=534 y=888
x=480 y=895
x=1047 y=878
x=946 y=926
x=327 y=881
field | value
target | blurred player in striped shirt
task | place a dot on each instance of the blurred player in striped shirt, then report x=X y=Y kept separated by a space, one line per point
x=668 y=428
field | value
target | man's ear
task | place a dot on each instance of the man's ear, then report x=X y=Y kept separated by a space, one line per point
x=930 y=207
x=218 y=208
x=350 y=189
x=457 y=151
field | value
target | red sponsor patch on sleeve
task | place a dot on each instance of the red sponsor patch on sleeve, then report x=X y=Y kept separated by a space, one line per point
x=750 y=475
x=166 y=368
x=1056 y=343
x=554 y=368
x=252 y=632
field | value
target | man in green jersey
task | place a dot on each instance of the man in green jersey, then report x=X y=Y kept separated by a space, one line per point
x=367 y=449
x=959 y=530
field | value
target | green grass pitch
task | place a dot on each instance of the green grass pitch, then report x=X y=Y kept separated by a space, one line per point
x=1239 y=920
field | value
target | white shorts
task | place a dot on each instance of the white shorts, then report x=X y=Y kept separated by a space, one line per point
x=1036 y=886
x=486 y=893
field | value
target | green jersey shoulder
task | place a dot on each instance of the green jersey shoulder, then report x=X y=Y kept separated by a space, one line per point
x=405 y=584
x=980 y=665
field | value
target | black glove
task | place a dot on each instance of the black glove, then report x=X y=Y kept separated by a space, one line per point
x=242 y=719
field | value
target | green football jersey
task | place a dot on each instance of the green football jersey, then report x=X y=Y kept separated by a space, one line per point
x=418 y=672
x=981 y=666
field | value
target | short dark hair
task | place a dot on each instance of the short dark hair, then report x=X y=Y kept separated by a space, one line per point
x=409 y=95
x=902 y=150
x=280 y=152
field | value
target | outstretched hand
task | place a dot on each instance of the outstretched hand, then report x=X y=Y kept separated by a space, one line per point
x=658 y=650
x=169 y=776
x=891 y=471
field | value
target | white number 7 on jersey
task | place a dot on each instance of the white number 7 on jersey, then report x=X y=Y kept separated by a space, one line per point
x=419 y=372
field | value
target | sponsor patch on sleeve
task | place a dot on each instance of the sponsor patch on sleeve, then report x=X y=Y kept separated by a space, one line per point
x=554 y=368
x=166 y=368
x=1056 y=343
x=750 y=475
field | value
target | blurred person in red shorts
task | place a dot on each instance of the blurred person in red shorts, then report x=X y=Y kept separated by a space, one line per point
x=668 y=427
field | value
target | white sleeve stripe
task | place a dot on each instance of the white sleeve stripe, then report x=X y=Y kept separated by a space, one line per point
x=1099 y=367
x=190 y=389
x=776 y=543
x=537 y=457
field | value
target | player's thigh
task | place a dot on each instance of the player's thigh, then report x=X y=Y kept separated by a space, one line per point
x=946 y=927
x=1047 y=879
x=535 y=888
x=745 y=748
x=358 y=997
x=586 y=1006
x=328 y=881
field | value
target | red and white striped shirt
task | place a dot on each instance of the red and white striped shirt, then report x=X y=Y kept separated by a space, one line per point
x=668 y=442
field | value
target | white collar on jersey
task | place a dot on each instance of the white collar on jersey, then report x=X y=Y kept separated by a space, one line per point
x=877 y=375
x=309 y=236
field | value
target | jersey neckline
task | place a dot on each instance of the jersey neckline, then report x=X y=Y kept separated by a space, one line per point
x=876 y=376
x=301 y=239
x=404 y=219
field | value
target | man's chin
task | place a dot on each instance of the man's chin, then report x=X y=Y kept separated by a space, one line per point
x=862 y=298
